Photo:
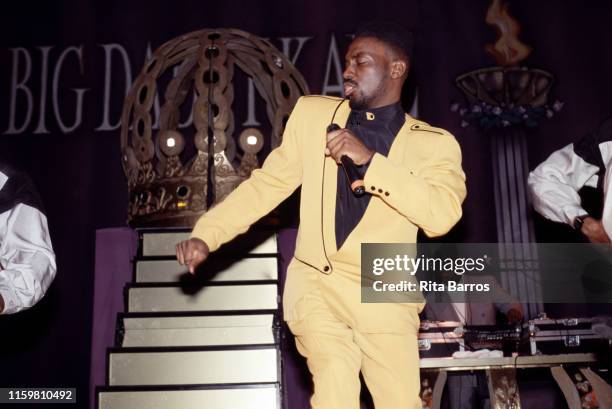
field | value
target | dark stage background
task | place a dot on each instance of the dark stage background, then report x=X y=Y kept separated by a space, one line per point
x=75 y=162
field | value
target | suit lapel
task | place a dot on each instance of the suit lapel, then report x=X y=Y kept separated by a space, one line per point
x=330 y=185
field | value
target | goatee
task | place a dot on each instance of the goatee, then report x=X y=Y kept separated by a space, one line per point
x=358 y=105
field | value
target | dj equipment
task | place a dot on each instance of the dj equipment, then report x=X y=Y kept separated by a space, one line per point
x=563 y=335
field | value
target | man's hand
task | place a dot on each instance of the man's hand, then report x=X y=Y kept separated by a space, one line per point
x=594 y=231
x=192 y=253
x=344 y=142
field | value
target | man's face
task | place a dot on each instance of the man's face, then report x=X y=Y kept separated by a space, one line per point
x=367 y=72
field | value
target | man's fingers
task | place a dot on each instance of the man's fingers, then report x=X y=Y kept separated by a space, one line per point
x=335 y=137
x=337 y=150
x=179 y=254
x=334 y=141
x=191 y=253
x=183 y=252
x=196 y=259
x=339 y=142
x=189 y=259
x=192 y=265
x=334 y=134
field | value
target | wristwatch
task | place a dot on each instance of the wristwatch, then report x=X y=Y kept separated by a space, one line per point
x=579 y=221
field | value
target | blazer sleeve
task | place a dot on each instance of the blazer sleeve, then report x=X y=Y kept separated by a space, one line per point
x=431 y=196
x=267 y=187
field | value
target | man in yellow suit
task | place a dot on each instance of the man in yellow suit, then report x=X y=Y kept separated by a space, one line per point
x=413 y=179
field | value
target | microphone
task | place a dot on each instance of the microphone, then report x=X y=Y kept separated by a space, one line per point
x=350 y=170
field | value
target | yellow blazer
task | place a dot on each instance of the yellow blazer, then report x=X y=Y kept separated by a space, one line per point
x=419 y=185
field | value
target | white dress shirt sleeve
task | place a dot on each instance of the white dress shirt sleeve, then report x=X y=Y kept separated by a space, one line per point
x=555 y=183
x=27 y=261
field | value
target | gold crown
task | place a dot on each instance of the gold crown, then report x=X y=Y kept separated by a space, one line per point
x=167 y=176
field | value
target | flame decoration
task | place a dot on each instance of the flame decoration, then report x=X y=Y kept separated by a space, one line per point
x=508 y=50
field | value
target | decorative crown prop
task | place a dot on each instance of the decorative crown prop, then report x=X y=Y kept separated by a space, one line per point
x=176 y=172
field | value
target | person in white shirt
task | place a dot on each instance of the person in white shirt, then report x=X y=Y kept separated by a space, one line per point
x=27 y=260
x=555 y=184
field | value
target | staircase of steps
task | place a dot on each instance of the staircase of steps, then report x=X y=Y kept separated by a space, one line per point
x=209 y=341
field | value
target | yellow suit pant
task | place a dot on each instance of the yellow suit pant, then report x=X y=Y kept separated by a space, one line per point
x=336 y=353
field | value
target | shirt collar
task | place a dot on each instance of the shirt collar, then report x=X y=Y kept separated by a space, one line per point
x=381 y=114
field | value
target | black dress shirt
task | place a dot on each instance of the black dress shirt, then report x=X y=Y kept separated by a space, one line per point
x=377 y=129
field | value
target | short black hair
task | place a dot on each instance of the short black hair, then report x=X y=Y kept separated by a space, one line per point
x=392 y=34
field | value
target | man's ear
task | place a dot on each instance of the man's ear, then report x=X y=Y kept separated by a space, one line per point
x=398 y=69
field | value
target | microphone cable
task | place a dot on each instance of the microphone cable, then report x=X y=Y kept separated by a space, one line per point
x=323 y=189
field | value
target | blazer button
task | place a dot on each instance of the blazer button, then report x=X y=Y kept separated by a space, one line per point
x=373 y=188
x=326 y=268
x=380 y=190
x=386 y=193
